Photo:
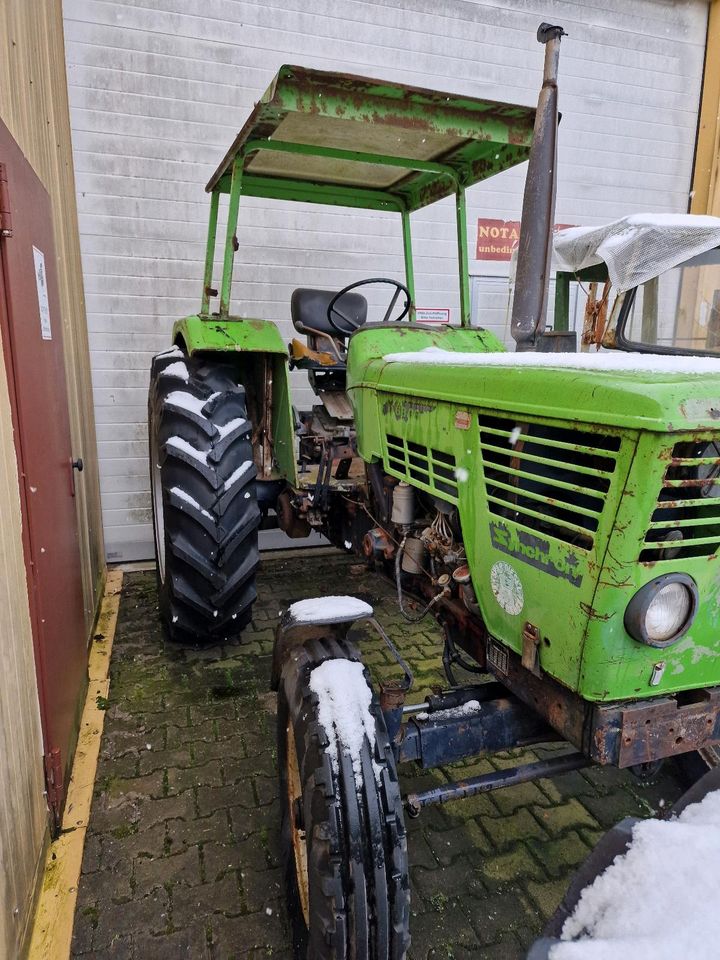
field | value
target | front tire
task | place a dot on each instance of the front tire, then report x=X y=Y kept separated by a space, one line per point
x=205 y=511
x=343 y=835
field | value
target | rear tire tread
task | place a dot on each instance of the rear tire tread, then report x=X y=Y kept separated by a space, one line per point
x=204 y=596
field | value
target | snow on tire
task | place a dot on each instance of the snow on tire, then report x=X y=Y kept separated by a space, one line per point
x=343 y=839
x=205 y=511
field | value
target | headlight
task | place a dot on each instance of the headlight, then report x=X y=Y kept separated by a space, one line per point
x=662 y=611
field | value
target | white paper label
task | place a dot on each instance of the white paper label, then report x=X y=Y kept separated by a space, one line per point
x=42 y=292
x=432 y=314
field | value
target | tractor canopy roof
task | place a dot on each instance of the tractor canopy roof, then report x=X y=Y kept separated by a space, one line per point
x=338 y=139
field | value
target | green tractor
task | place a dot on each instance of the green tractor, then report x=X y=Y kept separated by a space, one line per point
x=557 y=512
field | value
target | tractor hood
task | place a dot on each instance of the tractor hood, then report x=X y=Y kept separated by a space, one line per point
x=632 y=390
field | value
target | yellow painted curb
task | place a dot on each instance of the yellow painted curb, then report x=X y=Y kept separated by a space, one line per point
x=55 y=912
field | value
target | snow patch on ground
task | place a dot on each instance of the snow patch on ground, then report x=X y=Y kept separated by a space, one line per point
x=182 y=495
x=344 y=699
x=610 y=362
x=658 y=901
x=179 y=444
x=329 y=608
x=176 y=370
x=183 y=400
x=235 y=476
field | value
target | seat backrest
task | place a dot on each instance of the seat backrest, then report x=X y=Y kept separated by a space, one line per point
x=308 y=308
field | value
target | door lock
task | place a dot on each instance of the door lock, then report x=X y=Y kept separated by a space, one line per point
x=78 y=465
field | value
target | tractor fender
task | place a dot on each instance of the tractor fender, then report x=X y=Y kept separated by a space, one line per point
x=259 y=352
x=297 y=627
x=234 y=334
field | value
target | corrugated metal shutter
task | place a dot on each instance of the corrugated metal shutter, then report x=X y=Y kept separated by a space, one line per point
x=158 y=94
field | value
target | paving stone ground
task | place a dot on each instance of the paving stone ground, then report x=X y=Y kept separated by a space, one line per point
x=181 y=858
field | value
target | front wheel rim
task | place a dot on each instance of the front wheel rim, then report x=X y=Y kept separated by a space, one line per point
x=298 y=835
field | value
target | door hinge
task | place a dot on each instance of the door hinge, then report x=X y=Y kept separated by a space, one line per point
x=54 y=783
x=5 y=215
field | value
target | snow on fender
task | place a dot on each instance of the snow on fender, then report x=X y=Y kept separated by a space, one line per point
x=306 y=619
x=328 y=610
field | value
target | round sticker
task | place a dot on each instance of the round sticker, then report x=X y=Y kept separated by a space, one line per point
x=506 y=588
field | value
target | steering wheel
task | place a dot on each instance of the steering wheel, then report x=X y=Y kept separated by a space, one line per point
x=351 y=324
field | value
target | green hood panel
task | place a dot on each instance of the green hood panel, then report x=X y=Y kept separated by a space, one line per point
x=557 y=476
x=627 y=399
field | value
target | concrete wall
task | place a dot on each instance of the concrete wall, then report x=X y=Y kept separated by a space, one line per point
x=158 y=92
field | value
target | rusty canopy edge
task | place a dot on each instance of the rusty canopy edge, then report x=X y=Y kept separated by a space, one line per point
x=474 y=138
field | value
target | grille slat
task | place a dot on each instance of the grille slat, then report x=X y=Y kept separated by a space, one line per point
x=425 y=466
x=684 y=524
x=552 y=501
x=553 y=481
x=706 y=502
x=547 y=478
x=529 y=512
x=552 y=461
x=678 y=524
x=556 y=444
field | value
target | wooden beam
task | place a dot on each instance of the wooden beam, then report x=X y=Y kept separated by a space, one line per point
x=705 y=197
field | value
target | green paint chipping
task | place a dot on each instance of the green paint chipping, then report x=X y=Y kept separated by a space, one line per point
x=341 y=140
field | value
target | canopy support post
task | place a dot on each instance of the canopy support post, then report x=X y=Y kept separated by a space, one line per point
x=207 y=290
x=463 y=257
x=409 y=269
x=230 y=238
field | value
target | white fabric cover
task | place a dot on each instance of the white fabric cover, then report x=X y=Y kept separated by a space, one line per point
x=636 y=248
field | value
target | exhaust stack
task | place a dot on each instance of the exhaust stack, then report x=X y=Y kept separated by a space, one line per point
x=538 y=212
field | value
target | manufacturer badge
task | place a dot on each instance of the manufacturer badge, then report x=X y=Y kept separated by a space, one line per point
x=462 y=419
x=507 y=588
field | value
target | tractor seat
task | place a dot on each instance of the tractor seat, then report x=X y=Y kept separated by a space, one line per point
x=308 y=311
x=325 y=354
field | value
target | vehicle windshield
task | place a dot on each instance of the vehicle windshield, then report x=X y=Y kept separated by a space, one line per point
x=677 y=312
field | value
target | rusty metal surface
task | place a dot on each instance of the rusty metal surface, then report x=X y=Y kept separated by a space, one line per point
x=538 y=213
x=530 y=644
x=649 y=731
x=474 y=138
x=622 y=734
x=487 y=782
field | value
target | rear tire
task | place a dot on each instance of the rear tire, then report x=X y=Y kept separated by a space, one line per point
x=205 y=512
x=343 y=837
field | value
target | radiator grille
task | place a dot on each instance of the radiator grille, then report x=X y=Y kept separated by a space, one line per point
x=422 y=465
x=686 y=520
x=549 y=479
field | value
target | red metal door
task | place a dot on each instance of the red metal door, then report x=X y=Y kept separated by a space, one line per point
x=31 y=329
